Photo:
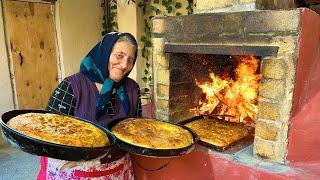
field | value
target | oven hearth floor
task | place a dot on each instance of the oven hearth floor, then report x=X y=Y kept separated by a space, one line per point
x=245 y=157
x=204 y=163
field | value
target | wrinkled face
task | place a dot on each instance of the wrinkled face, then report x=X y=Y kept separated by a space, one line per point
x=121 y=60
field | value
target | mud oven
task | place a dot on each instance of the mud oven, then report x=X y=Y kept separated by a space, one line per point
x=286 y=45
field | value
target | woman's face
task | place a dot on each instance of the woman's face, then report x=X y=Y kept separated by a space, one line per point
x=121 y=60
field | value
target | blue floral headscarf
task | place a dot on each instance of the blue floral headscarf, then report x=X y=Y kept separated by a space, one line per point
x=95 y=67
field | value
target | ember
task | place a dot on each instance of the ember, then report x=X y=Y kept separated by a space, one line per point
x=232 y=95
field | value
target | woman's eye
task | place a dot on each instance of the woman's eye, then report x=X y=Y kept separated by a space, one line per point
x=119 y=56
x=130 y=60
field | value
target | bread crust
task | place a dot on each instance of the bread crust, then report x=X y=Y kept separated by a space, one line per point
x=151 y=133
x=58 y=129
x=216 y=132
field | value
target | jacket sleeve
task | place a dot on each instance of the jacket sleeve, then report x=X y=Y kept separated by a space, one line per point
x=62 y=99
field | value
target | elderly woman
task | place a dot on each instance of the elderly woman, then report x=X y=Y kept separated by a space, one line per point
x=100 y=92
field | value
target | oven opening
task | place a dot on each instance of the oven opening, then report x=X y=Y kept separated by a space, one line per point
x=232 y=90
x=220 y=95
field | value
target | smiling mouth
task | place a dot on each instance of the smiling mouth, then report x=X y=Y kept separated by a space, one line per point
x=118 y=70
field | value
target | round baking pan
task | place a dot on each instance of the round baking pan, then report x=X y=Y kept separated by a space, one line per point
x=43 y=148
x=161 y=153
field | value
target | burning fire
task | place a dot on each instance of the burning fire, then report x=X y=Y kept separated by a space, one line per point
x=233 y=98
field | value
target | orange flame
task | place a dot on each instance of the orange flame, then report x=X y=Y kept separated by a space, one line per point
x=235 y=99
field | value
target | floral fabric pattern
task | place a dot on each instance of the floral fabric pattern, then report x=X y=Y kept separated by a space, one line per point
x=117 y=170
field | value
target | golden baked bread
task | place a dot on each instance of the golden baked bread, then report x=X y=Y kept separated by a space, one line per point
x=217 y=133
x=151 y=133
x=59 y=129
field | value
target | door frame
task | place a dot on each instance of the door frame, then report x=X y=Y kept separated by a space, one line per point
x=8 y=47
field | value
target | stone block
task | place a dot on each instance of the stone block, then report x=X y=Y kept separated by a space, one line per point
x=271 y=21
x=247 y=1
x=281 y=151
x=273 y=68
x=163 y=76
x=270 y=150
x=162 y=61
x=268 y=110
x=158 y=25
x=266 y=130
x=162 y=90
x=184 y=29
x=264 y=148
x=286 y=43
x=283 y=132
x=162 y=104
x=232 y=23
x=272 y=88
x=162 y=116
x=213 y=4
x=158 y=44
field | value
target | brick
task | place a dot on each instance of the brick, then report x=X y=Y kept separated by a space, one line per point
x=268 y=111
x=273 y=68
x=162 y=104
x=272 y=88
x=163 y=76
x=158 y=25
x=264 y=148
x=162 y=90
x=266 y=130
x=213 y=4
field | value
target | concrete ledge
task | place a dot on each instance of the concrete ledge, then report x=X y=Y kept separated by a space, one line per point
x=221 y=49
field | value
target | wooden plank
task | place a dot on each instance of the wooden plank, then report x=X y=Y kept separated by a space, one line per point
x=30 y=28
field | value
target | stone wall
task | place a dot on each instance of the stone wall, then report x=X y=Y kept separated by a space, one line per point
x=255 y=28
x=210 y=6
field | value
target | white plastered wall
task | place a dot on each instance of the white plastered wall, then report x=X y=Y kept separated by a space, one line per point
x=127 y=22
x=79 y=28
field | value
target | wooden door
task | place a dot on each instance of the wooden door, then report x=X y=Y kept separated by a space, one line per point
x=32 y=38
